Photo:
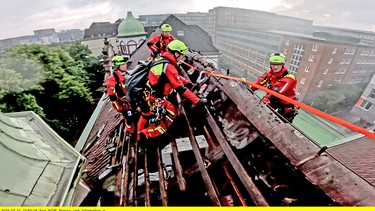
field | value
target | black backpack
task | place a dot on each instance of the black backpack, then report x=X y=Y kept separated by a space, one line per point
x=135 y=81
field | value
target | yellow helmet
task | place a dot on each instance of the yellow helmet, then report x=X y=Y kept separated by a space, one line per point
x=277 y=58
x=179 y=46
x=166 y=28
x=118 y=60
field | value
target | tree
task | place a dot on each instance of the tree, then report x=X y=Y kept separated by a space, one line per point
x=90 y=64
x=48 y=81
x=338 y=97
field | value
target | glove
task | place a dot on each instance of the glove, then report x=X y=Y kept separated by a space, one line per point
x=196 y=113
x=153 y=121
x=202 y=98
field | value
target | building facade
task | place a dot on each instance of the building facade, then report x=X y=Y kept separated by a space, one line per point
x=365 y=108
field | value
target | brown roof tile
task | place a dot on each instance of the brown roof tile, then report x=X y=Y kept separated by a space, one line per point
x=358 y=155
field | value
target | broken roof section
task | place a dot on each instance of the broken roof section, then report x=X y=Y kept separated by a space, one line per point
x=38 y=167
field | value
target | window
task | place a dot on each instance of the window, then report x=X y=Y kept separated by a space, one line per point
x=326 y=71
x=314 y=48
x=350 y=81
x=372 y=93
x=336 y=81
x=296 y=58
x=345 y=61
x=307 y=69
x=180 y=33
x=320 y=83
x=311 y=58
x=341 y=70
x=365 y=105
x=286 y=42
x=303 y=80
x=334 y=51
x=330 y=61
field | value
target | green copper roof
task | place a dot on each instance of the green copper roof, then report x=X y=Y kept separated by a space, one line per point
x=130 y=27
x=322 y=132
x=37 y=166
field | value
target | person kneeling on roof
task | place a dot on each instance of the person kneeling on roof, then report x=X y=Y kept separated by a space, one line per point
x=163 y=80
x=158 y=44
x=279 y=80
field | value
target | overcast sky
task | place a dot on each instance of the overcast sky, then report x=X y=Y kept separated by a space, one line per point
x=21 y=17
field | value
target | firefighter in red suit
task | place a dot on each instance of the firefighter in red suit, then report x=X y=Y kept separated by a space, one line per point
x=163 y=80
x=279 y=80
x=115 y=86
x=158 y=44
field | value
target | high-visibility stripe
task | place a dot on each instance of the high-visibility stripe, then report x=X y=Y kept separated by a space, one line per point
x=171 y=112
x=264 y=81
x=116 y=104
x=158 y=128
x=284 y=87
x=290 y=76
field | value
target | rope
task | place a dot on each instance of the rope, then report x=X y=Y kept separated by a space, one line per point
x=299 y=104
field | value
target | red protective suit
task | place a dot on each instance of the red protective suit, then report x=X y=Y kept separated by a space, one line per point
x=159 y=43
x=283 y=83
x=164 y=78
x=116 y=91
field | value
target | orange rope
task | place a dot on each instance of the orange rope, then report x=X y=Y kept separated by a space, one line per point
x=191 y=66
x=301 y=105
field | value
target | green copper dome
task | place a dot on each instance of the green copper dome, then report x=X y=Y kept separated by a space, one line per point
x=130 y=27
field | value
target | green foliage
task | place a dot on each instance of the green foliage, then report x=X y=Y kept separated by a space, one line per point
x=19 y=74
x=51 y=81
x=338 y=97
x=28 y=102
x=90 y=64
x=21 y=101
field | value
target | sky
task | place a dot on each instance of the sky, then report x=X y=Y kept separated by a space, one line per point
x=22 y=17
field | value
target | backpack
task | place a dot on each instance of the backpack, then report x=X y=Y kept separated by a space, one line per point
x=136 y=80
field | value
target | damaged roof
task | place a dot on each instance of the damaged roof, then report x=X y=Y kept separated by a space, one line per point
x=106 y=132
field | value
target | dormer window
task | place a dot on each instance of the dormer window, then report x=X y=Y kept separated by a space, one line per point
x=180 y=33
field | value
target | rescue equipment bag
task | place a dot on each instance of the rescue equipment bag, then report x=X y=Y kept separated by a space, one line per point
x=136 y=80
